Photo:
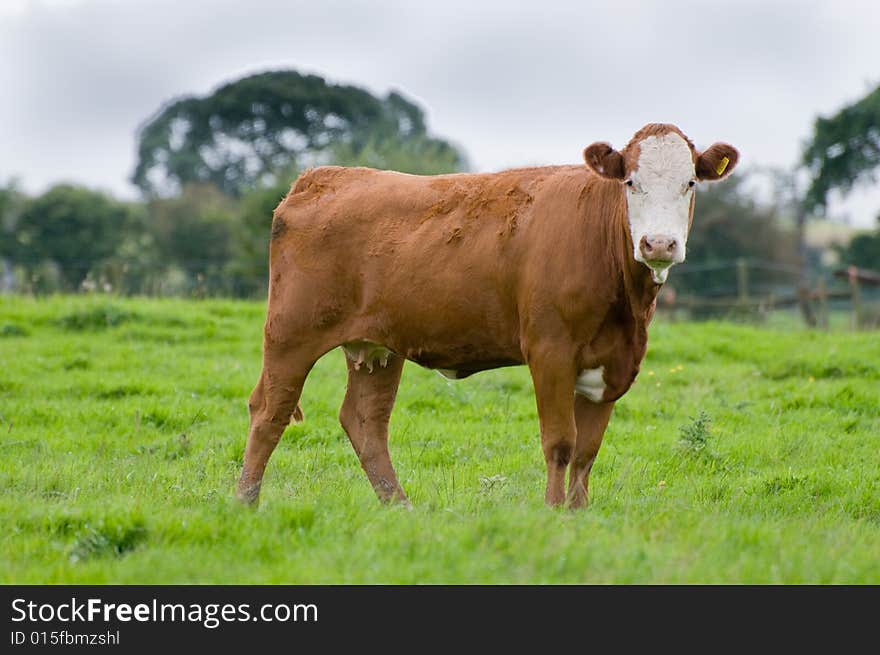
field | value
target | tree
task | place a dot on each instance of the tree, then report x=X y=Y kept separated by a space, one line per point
x=729 y=224
x=250 y=259
x=863 y=250
x=11 y=204
x=193 y=231
x=244 y=132
x=844 y=149
x=74 y=227
x=136 y=265
x=419 y=155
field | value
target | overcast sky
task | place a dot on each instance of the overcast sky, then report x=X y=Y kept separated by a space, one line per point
x=512 y=82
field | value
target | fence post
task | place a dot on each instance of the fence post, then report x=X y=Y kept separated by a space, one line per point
x=822 y=292
x=856 y=296
x=742 y=280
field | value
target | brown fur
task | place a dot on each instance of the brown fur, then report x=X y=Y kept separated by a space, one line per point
x=465 y=272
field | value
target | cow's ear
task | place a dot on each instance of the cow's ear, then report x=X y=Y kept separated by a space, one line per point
x=716 y=162
x=604 y=160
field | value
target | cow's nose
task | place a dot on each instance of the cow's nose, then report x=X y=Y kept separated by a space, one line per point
x=658 y=247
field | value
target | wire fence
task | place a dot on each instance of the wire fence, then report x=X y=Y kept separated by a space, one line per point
x=756 y=290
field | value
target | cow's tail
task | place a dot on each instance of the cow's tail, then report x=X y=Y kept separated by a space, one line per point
x=297 y=416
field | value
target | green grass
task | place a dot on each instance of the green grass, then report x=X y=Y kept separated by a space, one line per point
x=742 y=455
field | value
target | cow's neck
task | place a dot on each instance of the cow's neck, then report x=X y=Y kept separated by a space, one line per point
x=639 y=289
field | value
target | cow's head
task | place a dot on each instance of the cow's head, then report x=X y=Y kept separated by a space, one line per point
x=659 y=169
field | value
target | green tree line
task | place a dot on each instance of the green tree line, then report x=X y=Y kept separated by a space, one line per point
x=210 y=171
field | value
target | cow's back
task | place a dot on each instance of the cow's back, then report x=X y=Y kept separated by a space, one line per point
x=398 y=203
x=390 y=223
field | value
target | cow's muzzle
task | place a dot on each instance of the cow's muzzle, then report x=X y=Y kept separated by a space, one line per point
x=659 y=249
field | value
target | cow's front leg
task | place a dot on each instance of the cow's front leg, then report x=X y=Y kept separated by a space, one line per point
x=591 y=419
x=554 y=376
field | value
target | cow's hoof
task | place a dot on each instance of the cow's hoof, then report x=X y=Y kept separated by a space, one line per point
x=248 y=495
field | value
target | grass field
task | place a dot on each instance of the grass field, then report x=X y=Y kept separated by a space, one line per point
x=742 y=455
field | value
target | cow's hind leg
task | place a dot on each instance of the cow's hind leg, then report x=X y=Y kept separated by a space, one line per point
x=365 y=412
x=273 y=404
x=591 y=419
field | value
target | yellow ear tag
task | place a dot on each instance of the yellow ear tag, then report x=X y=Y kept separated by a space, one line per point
x=722 y=165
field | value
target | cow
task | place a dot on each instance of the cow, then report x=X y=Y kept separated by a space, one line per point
x=557 y=268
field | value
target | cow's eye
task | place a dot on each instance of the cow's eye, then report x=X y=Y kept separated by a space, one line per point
x=692 y=184
x=629 y=183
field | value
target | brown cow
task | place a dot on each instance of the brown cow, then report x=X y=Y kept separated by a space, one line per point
x=555 y=267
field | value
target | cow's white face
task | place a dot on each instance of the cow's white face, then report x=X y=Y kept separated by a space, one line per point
x=659 y=169
x=659 y=198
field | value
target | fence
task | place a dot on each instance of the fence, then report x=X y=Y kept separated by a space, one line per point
x=753 y=290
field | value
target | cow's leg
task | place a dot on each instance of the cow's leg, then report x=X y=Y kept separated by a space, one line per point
x=365 y=412
x=591 y=419
x=554 y=379
x=273 y=404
